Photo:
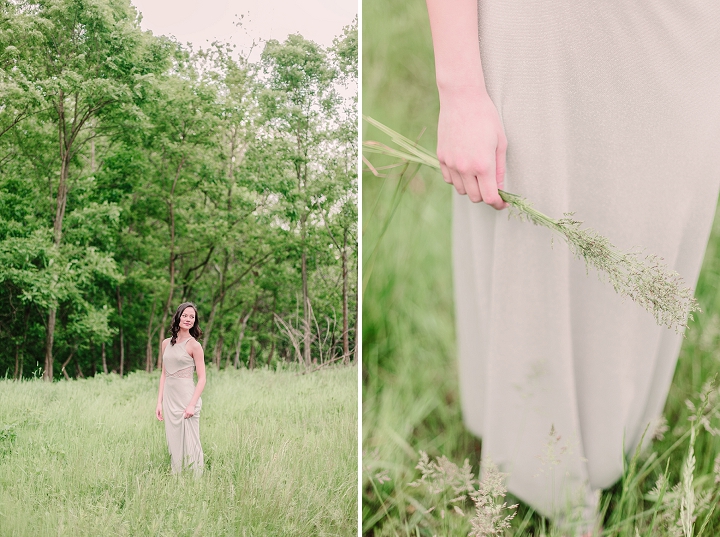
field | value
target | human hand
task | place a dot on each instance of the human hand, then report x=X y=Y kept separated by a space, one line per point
x=189 y=412
x=158 y=412
x=471 y=144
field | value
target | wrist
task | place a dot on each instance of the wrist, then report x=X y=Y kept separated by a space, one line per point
x=453 y=90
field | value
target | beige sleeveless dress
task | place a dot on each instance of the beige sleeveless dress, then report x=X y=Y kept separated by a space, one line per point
x=611 y=110
x=183 y=435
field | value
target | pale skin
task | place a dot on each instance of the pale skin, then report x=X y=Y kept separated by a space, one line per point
x=194 y=349
x=471 y=140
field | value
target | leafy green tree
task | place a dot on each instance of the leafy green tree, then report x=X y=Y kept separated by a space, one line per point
x=85 y=57
x=301 y=101
x=136 y=174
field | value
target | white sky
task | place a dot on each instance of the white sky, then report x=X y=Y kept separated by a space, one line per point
x=202 y=21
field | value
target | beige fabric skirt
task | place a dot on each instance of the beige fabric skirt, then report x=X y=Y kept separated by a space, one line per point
x=611 y=110
x=183 y=435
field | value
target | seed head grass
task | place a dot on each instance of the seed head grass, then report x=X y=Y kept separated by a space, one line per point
x=645 y=279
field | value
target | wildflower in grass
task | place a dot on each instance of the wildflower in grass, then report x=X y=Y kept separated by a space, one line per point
x=687 y=500
x=707 y=411
x=681 y=505
x=491 y=516
x=659 y=427
x=442 y=475
x=644 y=279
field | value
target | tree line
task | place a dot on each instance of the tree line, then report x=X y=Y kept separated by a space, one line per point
x=137 y=173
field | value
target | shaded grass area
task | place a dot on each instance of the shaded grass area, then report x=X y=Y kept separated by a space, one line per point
x=410 y=400
x=89 y=458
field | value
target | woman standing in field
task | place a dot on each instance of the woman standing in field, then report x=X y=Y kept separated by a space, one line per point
x=610 y=110
x=179 y=401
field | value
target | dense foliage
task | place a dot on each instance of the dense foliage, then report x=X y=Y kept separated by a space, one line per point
x=137 y=173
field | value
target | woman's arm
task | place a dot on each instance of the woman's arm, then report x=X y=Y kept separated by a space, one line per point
x=196 y=351
x=471 y=139
x=158 y=408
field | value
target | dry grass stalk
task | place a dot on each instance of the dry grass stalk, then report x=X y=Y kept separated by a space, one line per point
x=644 y=279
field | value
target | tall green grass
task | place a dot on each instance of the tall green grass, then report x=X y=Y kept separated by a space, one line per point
x=89 y=458
x=410 y=400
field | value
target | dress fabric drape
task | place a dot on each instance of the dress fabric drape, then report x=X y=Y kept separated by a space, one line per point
x=612 y=111
x=183 y=435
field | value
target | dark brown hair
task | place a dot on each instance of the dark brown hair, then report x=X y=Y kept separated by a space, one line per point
x=175 y=327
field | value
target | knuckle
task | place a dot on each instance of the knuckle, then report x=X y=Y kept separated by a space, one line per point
x=481 y=168
x=463 y=166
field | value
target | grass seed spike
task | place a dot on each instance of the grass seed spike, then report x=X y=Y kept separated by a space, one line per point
x=645 y=279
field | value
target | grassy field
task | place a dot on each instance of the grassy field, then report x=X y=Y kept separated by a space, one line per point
x=409 y=395
x=89 y=458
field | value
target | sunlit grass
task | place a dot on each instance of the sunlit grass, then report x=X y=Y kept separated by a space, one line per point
x=89 y=458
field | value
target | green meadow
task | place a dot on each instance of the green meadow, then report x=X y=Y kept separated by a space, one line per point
x=89 y=458
x=410 y=398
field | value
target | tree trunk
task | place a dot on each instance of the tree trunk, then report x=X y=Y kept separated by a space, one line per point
x=357 y=340
x=122 y=340
x=217 y=301
x=217 y=355
x=66 y=362
x=17 y=361
x=148 y=347
x=209 y=324
x=171 y=207
x=60 y=205
x=346 y=340
x=272 y=336
x=52 y=316
x=306 y=311
x=163 y=330
x=104 y=358
x=251 y=363
x=243 y=321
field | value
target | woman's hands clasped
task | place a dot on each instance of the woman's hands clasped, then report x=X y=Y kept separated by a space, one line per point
x=471 y=144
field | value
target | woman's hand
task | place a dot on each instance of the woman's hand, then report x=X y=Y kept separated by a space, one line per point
x=158 y=412
x=189 y=412
x=471 y=144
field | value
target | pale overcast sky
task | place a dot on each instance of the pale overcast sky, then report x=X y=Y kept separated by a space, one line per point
x=201 y=22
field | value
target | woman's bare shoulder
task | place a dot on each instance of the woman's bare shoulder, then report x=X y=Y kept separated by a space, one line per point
x=165 y=342
x=194 y=344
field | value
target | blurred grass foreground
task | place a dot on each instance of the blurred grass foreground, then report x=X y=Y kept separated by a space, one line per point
x=89 y=458
x=409 y=395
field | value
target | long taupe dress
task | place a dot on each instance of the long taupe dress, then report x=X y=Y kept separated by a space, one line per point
x=183 y=435
x=611 y=110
